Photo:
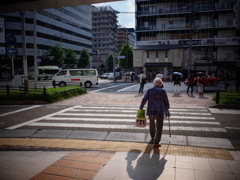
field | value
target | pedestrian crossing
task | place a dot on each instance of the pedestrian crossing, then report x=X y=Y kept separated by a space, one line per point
x=121 y=119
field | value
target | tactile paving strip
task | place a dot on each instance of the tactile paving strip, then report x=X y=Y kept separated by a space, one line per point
x=76 y=165
x=117 y=147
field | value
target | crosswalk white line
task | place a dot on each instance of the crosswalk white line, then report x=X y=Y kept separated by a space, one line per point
x=128 y=115
x=113 y=126
x=131 y=111
x=123 y=120
x=131 y=108
x=37 y=119
x=24 y=109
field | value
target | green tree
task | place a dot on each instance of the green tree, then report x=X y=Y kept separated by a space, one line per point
x=126 y=51
x=58 y=55
x=109 y=62
x=70 y=58
x=84 y=60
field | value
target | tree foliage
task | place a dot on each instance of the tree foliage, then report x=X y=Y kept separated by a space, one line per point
x=70 y=58
x=109 y=62
x=126 y=51
x=58 y=55
x=84 y=59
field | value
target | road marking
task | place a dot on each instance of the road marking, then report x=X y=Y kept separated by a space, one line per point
x=233 y=128
x=123 y=120
x=38 y=119
x=108 y=87
x=24 y=109
x=134 y=111
x=128 y=115
x=131 y=108
x=118 y=126
x=126 y=88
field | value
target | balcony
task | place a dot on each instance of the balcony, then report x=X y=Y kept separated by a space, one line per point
x=200 y=7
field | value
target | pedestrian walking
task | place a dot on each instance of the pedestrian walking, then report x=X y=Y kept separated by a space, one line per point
x=190 y=83
x=200 y=85
x=177 y=85
x=143 y=81
x=158 y=104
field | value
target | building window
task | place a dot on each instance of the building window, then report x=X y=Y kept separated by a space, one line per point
x=156 y=54
x=166 y=54
x=147 y=54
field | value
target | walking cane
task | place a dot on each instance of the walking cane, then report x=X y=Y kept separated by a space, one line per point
x=169 y=126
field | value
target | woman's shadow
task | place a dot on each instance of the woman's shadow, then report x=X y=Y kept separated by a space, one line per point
x=148 y=166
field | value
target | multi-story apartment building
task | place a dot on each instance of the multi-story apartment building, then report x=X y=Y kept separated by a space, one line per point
x=69 y=26
x=122 y=37
x=125 y=35
x=131 y=37
x=187 y=36
x=104 y=33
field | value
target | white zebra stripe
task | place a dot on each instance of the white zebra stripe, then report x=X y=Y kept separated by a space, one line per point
x=129 y=116
x=123 y=120
x=131 y=111
x=129 y=127
x=130 y=108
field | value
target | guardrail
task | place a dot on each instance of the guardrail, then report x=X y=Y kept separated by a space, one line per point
x=8 y=90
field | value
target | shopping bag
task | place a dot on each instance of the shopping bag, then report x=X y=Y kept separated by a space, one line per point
x=141 y=118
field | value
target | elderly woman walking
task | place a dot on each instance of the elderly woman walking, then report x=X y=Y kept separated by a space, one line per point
x=158 y=104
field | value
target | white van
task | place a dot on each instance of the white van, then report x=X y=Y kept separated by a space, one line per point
x=86 y=77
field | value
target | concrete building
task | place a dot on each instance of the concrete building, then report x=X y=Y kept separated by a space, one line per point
x=125 y=35
x=187 y=36
x=104 y=33
x=69 y=26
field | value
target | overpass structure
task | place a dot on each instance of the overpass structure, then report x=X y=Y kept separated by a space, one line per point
x=29 y=5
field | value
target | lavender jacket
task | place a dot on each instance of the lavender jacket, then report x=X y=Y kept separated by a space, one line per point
x=158 y=102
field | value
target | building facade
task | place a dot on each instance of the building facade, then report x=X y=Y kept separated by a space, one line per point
x=187 y=36
x=104 y=33
x=125 y=35
x=69 y=26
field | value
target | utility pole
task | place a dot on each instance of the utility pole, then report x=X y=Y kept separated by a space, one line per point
x=25 y=66
x=35 y=52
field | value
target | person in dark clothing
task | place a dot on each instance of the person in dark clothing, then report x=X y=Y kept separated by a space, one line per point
x=142 y=82
x=190 y=83
x=177 y=85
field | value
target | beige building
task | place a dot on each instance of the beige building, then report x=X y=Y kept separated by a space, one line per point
x=187 y=36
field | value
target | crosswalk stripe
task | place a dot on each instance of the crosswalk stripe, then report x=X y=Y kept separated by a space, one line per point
x=113 y=126
x=128 y=116
x=123 y=120
x=131 y=111
x=131 y=108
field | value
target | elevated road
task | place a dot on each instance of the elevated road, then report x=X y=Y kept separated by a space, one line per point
x=29 y=5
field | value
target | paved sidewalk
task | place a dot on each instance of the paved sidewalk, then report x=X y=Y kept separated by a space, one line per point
x=103 y=160
x=42 y=158
x=182 y=99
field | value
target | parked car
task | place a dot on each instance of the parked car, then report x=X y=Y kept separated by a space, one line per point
x=208 y=79
x=110 y=76
x=104 y=76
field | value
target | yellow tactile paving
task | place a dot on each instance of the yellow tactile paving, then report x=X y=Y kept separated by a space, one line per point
x=117 y=146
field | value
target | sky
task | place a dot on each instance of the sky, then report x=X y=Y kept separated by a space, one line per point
x=124 y=19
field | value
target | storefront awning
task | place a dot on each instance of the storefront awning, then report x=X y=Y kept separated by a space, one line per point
x=163 y=64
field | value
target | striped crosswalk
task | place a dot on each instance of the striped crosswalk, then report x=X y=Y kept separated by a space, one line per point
x=119 y=118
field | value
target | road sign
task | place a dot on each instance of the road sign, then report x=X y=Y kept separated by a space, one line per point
x=121 y=57
x=11 y=39
x=11 y=51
